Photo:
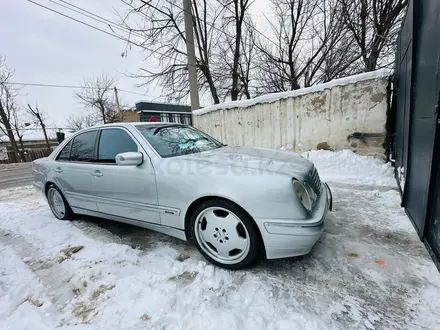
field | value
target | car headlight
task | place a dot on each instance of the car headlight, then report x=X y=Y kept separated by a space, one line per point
x=311 y=192
x=303 y=194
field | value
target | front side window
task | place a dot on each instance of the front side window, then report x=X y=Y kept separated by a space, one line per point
x=113 y=142
x=83 y=147
x=64 y=154
x=176 y=140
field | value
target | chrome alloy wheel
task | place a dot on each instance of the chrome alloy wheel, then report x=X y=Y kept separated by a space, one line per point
x=222 y=235
x=56 y=202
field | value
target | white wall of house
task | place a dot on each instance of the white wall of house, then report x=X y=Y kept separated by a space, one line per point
x=323 y=116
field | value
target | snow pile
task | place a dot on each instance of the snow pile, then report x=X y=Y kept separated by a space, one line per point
x=114 y=286
x=21 y=295
x=347 y=167
x=77 y=275
x=269 y=98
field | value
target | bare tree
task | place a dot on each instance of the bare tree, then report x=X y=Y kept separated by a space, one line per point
x=305 y=31
x=7 y=105
x=205 y=33
x=373 y=26
x=98 y=98
x=76 y=123
x=40 y=117
x=235 y=48
x=226 y=68
x=19 y=126
x=162 y=35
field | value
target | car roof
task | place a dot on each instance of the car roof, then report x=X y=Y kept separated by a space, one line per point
x=137 y=123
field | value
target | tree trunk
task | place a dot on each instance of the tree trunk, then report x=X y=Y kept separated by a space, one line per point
x=45 y=136
x=206 y=71
x=22 y=152
x=239 y=17
x=4 y=119
x=103 y=114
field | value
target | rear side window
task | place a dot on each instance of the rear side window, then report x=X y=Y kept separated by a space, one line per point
x=83 y=147
x=113 y=142
x=64 y=154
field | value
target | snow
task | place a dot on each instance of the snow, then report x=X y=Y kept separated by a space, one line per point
x=269 y=98
x=125 y=277
x=20 y=291
x=124 y=285
x=349 y=167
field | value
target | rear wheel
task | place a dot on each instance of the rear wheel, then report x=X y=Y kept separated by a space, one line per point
x=58 y=204
x=225 y=234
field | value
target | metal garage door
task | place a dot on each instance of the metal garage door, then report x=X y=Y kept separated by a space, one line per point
x=416 y=110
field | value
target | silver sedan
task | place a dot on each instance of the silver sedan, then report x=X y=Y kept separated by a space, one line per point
x=236 y=204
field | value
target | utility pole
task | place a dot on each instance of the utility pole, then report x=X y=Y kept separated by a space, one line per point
x=117 y=104
x=191 y=55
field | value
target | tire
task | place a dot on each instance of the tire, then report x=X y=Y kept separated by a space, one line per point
x=58 y=204
x=225 y=234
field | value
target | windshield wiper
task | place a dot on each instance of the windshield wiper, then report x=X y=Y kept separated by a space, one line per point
x=162 y=127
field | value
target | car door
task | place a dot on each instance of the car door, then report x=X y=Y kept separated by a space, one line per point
x=71 y=170
x=125 y=191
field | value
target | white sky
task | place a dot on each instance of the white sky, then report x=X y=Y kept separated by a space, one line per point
x=43 y=47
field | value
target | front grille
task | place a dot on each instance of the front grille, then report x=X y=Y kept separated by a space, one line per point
x=316 y=180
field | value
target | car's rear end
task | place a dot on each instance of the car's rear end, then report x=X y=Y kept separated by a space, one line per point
x=40 y=169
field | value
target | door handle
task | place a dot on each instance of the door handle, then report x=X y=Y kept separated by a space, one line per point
x=97 y=174
x=58 y=169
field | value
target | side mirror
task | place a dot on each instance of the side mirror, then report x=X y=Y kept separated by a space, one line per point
x=129 y=159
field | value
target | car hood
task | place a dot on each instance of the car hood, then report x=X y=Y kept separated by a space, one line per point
x=271 y=160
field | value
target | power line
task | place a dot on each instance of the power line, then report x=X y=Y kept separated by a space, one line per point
x=96 y=17
x=106 y=32
x=72 y=87
x=90 y=15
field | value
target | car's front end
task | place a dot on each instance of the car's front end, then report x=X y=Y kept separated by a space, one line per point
x=294 y=237
x=280 y=190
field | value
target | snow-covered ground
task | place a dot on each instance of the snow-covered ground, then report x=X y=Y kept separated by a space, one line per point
x=368 y=271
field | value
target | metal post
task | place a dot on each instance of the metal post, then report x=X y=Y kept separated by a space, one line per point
x=117 y=104
x=191 y=55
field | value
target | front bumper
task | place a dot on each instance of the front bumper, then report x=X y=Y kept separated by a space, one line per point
x=288 y=238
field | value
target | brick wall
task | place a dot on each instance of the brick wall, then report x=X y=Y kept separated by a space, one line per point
x=129 y=116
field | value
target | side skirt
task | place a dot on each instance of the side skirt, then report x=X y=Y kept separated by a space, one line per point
x=180 y=234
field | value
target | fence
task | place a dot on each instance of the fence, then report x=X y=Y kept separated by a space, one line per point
x=30 y=155
x=348 y=113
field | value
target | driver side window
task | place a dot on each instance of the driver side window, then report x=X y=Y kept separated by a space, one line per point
x=112 y=142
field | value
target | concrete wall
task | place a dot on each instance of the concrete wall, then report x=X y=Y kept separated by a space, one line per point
x=321 y=117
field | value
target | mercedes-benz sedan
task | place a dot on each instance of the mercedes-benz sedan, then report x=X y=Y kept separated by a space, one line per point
x=236 y=204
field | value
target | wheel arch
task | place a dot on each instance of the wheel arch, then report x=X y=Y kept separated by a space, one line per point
x=200 y=200
x=47 y=185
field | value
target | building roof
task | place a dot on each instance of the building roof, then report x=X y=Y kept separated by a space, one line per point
x=35 y=134
x=162 y=107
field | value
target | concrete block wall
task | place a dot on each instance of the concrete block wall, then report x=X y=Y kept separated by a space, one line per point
x=321 y=117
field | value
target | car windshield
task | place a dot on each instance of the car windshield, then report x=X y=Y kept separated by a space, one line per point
x=176 y=140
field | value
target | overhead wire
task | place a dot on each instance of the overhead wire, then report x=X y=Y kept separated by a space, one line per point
x=72 y=87
x=106 y=32
x=96 y=17
x=110 y=23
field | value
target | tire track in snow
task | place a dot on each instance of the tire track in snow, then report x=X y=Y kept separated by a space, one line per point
x=55 y=279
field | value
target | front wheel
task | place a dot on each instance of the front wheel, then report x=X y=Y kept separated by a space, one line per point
x=225 y=234
x=58 y=204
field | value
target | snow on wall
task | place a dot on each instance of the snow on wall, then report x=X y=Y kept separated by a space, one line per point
x=319 y=117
